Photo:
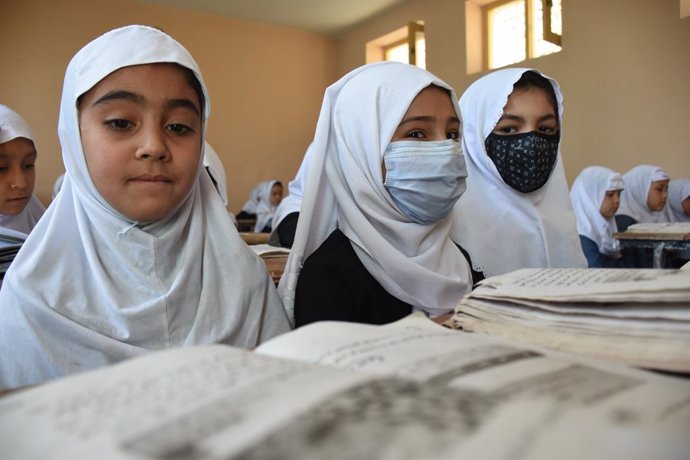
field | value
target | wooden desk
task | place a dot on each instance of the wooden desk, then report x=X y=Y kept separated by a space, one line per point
x=659 y=242
x=255 y=238
x=275 y=264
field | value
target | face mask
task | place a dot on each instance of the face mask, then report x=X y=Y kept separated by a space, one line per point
x=524 y=161
x=425 y=179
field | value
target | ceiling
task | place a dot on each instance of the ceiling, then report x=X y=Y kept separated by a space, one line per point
x=330 y=17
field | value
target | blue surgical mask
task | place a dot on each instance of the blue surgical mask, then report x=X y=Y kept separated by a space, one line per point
x=425 y=179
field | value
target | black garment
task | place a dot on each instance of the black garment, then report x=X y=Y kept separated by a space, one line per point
x=596 y=259
x=634 y=257
x=286 y=230
x=245 y=215
x=477 y=276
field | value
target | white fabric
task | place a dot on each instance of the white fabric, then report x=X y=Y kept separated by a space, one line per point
x=417 y=264
x=264 y=210
x=587 y=194
x=90 y=287
x=215 y=167
x=12 y=126
x=57 y=185
x=253 y=200
x=634 y=197
x=502 y=229
x=678 y=191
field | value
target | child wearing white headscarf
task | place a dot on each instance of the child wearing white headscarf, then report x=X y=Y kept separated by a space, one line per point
x=216 y=170
x=678 y=205
x=262 y=204
x=284 y=223
x=516 y=212
x=643 y=201
x=20 y=210
x=595 y=195
x=372 y=239
x=95 y=284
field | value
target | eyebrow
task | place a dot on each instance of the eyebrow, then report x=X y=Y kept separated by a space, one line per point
x=426 y=118
x=509 y=116
x=140 y=100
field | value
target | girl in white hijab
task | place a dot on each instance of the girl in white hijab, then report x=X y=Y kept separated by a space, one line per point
x=284 y=223
x=516 y=212
x=262 y=203
x=216 y=170
x=644 y=196
x=596 y=196
x=137 y=251
x=385 y=169
x=20 y=210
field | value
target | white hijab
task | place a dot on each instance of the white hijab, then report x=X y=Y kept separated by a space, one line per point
x=502 y=229
x=418 y=264
x=678 y=191
x=587 y=194
x=634 y=197
x=13 y=126
x=90 y=287
x=215 y=167
x=264 y=210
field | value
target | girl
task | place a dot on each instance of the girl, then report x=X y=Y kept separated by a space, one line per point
x=642 y=201
x=262 y=203
x=20 y=210
x=516 y=212
x=385 y=169
x=644 y=196
x=137 y=251
x=596 y=196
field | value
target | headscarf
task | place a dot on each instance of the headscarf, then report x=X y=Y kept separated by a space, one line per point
x=250 y=205
x=293 y=200
x=634 y=197
x=587 y=194
x=678 y=191
x=264 y=210
x=415 y=263
x=13 y=126
x=214 y=165
x=502 y=229
x=57 y=185
x=90 y=287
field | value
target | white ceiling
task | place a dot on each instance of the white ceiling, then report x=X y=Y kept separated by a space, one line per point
x=331 y=17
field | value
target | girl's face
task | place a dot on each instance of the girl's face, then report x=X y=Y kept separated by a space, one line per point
x=141 y=131
x=686 y=206
x=658 y=193
x=610 y=203
x=528 y=110
x=17 y=175
x=276 y=194
x=430 y=117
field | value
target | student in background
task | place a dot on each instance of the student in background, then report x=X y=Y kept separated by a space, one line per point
x=596 y=196
x=137 y=252
x=642 y=201
x=677 y=207
x=20 y=210
x=516 y=212
x=216 y=171
x=262 y=203
x=385 y=169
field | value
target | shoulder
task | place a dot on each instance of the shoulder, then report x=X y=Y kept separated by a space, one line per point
x=623 y=222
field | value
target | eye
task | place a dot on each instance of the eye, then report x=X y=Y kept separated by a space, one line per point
x=417 y=134
x=547 y=129
x=455 y=135
x=28 y=166
x=119 y=124
x=178 y=128
x=505 y=130
x=3 y=169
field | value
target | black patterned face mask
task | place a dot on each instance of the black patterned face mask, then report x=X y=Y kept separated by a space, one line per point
x=524 y=161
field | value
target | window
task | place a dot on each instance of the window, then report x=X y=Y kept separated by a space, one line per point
x=503 y=32
x=407 y=45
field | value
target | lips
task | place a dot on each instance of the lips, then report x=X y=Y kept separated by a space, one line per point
x=152 y=178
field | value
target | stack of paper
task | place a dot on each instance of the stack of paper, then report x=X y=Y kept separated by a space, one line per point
x=639 y=317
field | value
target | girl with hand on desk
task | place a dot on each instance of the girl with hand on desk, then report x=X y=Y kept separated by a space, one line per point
x=385 y=169
x=596 y=196
x=642 y=201
x=678 y=206
x=20 y=210
x=137 y=252
x=516 y=212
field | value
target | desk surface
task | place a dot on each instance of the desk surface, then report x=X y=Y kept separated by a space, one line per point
x=660 y=236
x=255 y=238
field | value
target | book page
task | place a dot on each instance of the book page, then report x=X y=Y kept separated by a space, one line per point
x=266 y=250
x=660 y=227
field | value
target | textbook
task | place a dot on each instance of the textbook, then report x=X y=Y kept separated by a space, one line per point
x=334 y=390
x=638 y=316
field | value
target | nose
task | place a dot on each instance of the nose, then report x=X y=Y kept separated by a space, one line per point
x=153 y=145
x=18 y=179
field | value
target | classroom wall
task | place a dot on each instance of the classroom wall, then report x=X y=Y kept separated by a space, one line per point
x=266 y=83
x=624 y=70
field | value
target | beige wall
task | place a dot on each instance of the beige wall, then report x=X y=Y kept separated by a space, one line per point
x=624 y=70
x=266 y=83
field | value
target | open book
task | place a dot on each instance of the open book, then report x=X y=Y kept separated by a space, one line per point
x=10 y=243
x=641 y=317
x=408 y=390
